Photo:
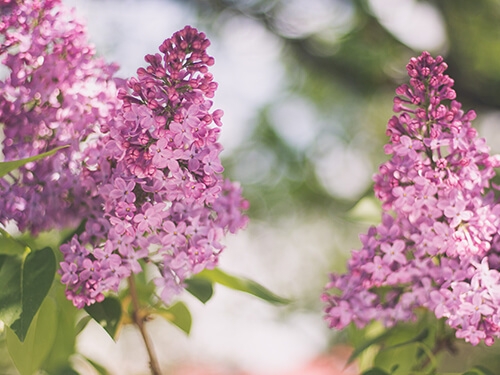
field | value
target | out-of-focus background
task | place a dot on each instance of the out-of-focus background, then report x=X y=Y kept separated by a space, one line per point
x=306 y=87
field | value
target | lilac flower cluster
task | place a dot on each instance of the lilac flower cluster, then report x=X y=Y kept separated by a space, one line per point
x=142 y=166
x=165 y=201
x=437 y=245
x=57 y=94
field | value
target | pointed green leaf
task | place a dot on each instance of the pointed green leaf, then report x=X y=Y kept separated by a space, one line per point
x=200 y=288
x=428 y=352
x=360 y=349
x=394 y=368
x=108 y=314
x=9 y=245
x=38 y=271
x=30 y=354
x=420 y=337
x=25 y=282
x=10 y=292
x=100 y=369
x=9 y=166
x=82 y=323
x=57 y=362
x=241 y=284
x=145 y=289
x=178 y=314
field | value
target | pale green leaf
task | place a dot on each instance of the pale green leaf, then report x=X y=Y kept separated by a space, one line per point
x=360 y=349
x=178 y=314
x=10 y=292
x=82 y=323
x=29 y=355
x=241 y=284
x=418 y=338
x=9 y=245
x=57 y=362
x=99 y=368
x=9 y=166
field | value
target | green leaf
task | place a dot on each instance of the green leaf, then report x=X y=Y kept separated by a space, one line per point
x=9 y=166
x=178 y=314
x=108 y=314
x=200 y=288
x=9 y=245
x=241 y=284
x=57 y=362
x=420 y=337
x=39 y=268
x=10 y=292
x=394 y=368
x=481 y=370
x=30 y=354
x=82 y=323
x=375 y=371
x=25 y=282
x=360 y=349
x=428 y=352
x=145 y=289
x=100 y=369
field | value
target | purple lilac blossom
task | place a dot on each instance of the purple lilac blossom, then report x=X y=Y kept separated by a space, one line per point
x=165 y=202
x=57 y=93
x=437 y=244
x=142 y=169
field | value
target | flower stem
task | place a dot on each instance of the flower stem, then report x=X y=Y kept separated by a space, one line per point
x=139 y=320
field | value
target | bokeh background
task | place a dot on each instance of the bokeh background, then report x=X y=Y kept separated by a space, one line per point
x=306 y=87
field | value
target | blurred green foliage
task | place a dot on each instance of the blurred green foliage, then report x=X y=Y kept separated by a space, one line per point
x=351 y=77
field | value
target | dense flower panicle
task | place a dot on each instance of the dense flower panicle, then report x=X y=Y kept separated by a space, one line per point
x=437 y=244
x=165 y=201
x=57 y=94
x=142 y=165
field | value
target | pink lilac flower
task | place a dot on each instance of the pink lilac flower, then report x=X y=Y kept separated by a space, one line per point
x=139 y=155
x=164 y=201
x=57 y=93
x=438 y=244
